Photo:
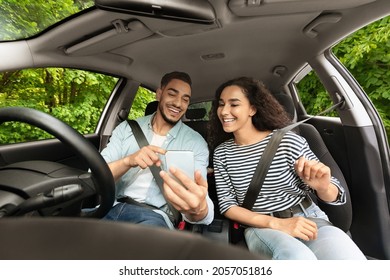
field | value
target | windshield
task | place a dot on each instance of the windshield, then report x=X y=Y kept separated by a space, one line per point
x=20 y=19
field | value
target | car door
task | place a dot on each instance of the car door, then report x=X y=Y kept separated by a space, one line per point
x=356 y=137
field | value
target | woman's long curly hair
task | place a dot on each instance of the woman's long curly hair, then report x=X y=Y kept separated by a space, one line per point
x=270 y=113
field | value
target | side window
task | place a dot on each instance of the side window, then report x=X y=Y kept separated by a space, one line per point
x=311 y=86
x=76 y=97
x=142 y=98
x=366 y=54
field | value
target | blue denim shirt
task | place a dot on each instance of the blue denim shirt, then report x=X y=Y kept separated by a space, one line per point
x=180 y=137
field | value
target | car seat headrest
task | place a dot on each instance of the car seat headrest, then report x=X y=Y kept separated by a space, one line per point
x=195 y=113
x=191 y=114
x=151 y=107
x=287 y=102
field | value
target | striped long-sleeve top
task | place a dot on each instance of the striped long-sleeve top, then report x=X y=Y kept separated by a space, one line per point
x=235 y=165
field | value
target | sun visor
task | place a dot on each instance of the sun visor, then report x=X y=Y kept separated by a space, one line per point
x=199 y=11
x=121 y=33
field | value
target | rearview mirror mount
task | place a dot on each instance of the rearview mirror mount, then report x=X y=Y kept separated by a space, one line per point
x=199 y=11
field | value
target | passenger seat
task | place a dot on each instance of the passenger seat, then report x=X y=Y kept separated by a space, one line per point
x=340 y=216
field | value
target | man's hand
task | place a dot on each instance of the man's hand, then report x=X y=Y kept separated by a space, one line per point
x=189 y=198
x=145 y=157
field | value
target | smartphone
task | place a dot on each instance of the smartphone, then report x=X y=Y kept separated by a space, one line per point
x=182 y=160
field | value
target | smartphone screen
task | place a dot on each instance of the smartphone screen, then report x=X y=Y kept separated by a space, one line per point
x=182 y=160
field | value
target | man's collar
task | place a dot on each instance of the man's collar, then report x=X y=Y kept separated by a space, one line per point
x=172 y=132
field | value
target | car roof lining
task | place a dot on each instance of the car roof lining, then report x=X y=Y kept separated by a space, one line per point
x=246 y=8
x=146 y=52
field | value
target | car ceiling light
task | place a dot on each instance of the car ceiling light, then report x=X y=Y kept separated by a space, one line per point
x=254 y=3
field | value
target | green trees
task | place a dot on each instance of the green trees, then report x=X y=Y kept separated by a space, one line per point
x=24 y=18
x=74 y=96
x=366 y=55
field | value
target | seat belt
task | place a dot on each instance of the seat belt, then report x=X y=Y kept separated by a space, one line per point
x=266 y=159
x=236 y=230
x=142 y=141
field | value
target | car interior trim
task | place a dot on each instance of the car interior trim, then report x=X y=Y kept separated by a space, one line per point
x=244 y=8
x=199 y=11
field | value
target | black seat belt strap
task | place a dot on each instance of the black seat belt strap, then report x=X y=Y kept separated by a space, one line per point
x=261 y=170
x=142 y=141
x=266 y=159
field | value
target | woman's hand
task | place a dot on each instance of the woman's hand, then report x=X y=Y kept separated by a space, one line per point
x=298 y=227
x=317 y=175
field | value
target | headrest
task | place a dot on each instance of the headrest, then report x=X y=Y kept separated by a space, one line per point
x=287 y=102
x=196 y=113
x=151 y=107
x=191 y=114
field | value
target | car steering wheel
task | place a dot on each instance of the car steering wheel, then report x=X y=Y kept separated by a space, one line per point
x=51 y=187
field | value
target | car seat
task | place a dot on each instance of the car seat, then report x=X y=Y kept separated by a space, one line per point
x=193 y=117
x=151 y=107
x=340 y=215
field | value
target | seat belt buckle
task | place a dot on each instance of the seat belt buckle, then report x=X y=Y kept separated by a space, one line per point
x=181 y=225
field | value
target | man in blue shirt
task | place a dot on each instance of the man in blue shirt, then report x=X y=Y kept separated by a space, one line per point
x=129 y=164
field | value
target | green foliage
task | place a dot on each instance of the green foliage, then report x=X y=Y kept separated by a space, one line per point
x=74 y=96
x=311 y=86
x=142 y=98
x=24 y=18
x=366 y=55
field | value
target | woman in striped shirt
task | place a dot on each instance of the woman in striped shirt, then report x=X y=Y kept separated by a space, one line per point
x=283 y=223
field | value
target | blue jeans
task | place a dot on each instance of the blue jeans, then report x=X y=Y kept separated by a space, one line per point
x=135 y=214
x=331 y=244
